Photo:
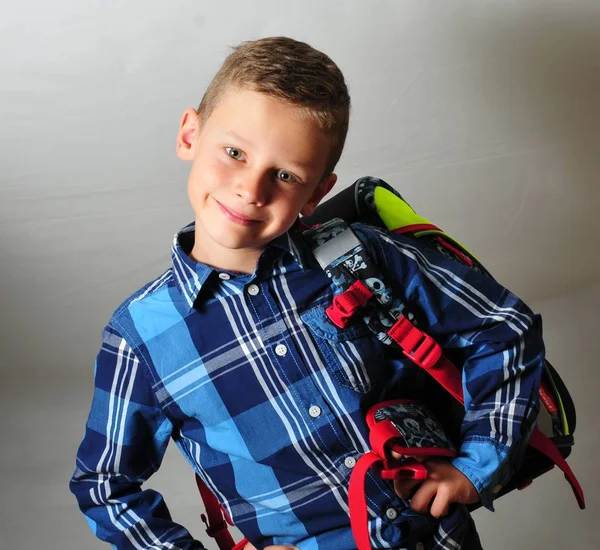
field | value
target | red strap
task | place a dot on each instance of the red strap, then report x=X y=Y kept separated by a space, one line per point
x=544 y=445
x=358 y=500
x=424 y=351
x=345 y=304
x=380 y=434
x=547 y=399
x=216 y=522
x=456 y=251
x=240 y=545
x=417 y=227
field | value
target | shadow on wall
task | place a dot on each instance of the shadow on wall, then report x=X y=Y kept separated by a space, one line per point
x=544 y=76
x=555 y=69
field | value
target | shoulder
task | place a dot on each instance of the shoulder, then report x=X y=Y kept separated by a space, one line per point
x=147 y=293
x=374 y=236
x=154 y=300
x=382 y=243
x=407 y=256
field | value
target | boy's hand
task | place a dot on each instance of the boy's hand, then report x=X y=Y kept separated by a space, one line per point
x=443 y=486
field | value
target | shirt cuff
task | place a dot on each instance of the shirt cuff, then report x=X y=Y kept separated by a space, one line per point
x=485 y=463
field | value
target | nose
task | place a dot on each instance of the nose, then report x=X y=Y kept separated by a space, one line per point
x=253 y=187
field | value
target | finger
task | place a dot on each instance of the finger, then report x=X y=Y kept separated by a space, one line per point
x=422 y=498
x=436 y=468
x=404 y=487
x=440 y=504
x=249 y=546
x=399 y=456
x=279 y=547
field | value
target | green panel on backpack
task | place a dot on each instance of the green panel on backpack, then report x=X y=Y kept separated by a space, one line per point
x=397 y=214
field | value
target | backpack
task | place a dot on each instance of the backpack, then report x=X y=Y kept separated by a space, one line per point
x=374 y=202
x=337 y=248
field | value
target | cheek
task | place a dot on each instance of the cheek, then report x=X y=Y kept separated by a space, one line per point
x=207 y=175
x=289 y=210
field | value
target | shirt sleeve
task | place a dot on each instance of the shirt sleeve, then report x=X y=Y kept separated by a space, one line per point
x=125 y=440
x=498 y=339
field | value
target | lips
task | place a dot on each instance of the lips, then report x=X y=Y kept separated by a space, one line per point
x=236 y=217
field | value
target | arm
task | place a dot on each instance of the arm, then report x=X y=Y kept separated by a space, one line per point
x=500 y=343
x=125 y=440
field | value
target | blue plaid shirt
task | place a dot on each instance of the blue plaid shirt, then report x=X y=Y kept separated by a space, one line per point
x=266 y=398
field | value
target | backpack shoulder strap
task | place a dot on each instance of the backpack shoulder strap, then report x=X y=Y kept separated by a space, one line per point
x=343 y=256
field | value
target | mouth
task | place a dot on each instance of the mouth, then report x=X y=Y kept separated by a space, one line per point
x=237 y=217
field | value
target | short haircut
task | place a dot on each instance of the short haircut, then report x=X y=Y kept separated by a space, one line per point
x=293 y=72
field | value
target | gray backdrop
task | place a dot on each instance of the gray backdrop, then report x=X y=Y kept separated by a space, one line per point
x=484 y=114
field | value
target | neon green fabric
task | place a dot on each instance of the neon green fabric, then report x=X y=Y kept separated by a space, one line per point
x=394 y=212
x=397 y=214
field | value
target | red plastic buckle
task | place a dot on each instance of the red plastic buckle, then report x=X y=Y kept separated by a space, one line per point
x=345 y=304
x=408 y=468
x=419 y=347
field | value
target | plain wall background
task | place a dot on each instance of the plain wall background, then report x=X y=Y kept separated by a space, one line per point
x=484 y=114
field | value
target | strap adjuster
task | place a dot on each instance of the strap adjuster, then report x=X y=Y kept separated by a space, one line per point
x=212 y=530
x=345 y=304
x=408 y=468
x=419 y=347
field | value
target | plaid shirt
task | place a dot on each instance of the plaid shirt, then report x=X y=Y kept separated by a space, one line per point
x=266 y=398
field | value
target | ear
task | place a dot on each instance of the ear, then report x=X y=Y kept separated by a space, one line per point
x=321 y=190
x=187 y=134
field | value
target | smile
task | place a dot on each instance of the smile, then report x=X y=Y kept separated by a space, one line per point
x=236 y=217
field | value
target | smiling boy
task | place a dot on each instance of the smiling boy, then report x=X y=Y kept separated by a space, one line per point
x=230 y=355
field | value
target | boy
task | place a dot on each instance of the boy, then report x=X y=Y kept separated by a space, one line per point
x=229 y=352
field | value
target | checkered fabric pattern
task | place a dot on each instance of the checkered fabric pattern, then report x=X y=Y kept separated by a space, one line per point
x=266 y=398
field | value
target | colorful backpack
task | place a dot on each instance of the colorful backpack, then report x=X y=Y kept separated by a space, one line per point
x=335 y=246
x=373 y=201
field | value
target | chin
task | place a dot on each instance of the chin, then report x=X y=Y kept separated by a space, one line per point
x=232 y=243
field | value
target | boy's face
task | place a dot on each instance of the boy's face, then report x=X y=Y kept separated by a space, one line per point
x=257 y=164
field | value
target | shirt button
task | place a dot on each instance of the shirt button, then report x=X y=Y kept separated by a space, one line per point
x=281 y=350
x=314 y=411
x=391 y=513
x=420 y=546
x=350 y=462
x=224 y=276
x=253 y=290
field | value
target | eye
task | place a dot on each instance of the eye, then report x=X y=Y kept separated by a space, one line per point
x=234 y=153
x=286 y=176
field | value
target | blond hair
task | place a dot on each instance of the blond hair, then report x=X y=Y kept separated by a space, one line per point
x=293 y=72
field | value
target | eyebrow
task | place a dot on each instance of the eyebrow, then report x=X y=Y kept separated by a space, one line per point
x=235 y=136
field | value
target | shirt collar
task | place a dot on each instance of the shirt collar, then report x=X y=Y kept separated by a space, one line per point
x=191 y=275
